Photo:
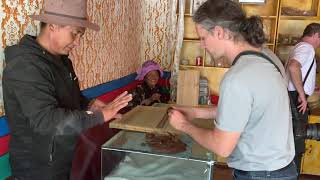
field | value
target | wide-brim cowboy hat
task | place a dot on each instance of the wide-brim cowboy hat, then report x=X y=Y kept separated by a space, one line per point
x=66 y=12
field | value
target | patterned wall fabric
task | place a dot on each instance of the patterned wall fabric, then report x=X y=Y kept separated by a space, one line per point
x=179 y=35
x=14 y=24
x=159 y=31
x=112 y=52
x=131 y=32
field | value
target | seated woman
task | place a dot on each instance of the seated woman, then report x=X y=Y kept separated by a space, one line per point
x=149 y=92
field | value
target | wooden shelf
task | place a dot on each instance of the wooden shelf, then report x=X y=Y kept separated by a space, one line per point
x=269 y=17
x=279 y=44
x=191 y=39
x=269 y=44
x=201 y=67
x=299 y=17
x=190 y=66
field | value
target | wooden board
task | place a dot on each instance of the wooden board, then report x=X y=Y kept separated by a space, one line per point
x=148 y=118
x=213 y=74
x=188 y=87
x=144 y=119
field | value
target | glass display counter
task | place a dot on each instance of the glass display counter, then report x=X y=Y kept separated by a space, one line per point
x=127 y=156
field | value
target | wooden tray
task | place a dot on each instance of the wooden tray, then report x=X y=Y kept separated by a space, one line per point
x=151 y=119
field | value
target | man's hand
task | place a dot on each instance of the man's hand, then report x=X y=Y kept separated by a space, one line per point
x=303 y=103
x=178 y=120
x=110 y=111
x=188 y=112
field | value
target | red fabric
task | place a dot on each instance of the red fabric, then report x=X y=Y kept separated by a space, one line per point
x=164 y=82
x=4 y=144
x=109 y=96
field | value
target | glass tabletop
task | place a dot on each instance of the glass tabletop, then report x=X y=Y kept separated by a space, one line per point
x=129 y=141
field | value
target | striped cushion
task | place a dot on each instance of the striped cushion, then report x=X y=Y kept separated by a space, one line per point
x=5 y=170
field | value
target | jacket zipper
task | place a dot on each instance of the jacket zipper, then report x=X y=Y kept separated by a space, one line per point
x=51 y=150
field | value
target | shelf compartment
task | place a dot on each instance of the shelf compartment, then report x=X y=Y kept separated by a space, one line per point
x=190 y=50
x=269 y=17
x=210 y=62
x=270 y=46
x=299 y=18
x=269 y=28
x=189 y=28
x=270 y=8
x=283 y=52
x=304 y=8
x=213 y=74
x=293 y=28
x=281 y=44
x=188 y=7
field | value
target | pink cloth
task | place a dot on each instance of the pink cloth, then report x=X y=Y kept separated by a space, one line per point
x=148 y=66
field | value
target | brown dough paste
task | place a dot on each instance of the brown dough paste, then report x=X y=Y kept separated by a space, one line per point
x=169 y=144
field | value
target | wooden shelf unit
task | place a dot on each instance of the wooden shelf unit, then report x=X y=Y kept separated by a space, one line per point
x=276 y=23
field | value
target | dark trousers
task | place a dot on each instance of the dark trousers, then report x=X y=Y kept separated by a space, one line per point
x=299 y=122
x=287 y=173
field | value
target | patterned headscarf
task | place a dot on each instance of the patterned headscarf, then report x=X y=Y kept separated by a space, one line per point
x=148 y=66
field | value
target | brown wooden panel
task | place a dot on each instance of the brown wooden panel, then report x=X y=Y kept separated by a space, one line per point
x=188 y=87
x=144 y=119
x=148 y=118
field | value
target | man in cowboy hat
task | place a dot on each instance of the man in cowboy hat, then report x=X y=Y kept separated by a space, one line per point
x=43 y=103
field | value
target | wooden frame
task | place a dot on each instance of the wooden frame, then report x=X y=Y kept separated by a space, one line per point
x=253 y=1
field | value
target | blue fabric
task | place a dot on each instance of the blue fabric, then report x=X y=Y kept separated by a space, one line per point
x=109 y=86
x=4 y=128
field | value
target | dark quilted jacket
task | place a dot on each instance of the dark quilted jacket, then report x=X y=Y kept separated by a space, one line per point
x=45 y=111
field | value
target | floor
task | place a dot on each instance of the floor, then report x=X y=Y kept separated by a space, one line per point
x=224 y=173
